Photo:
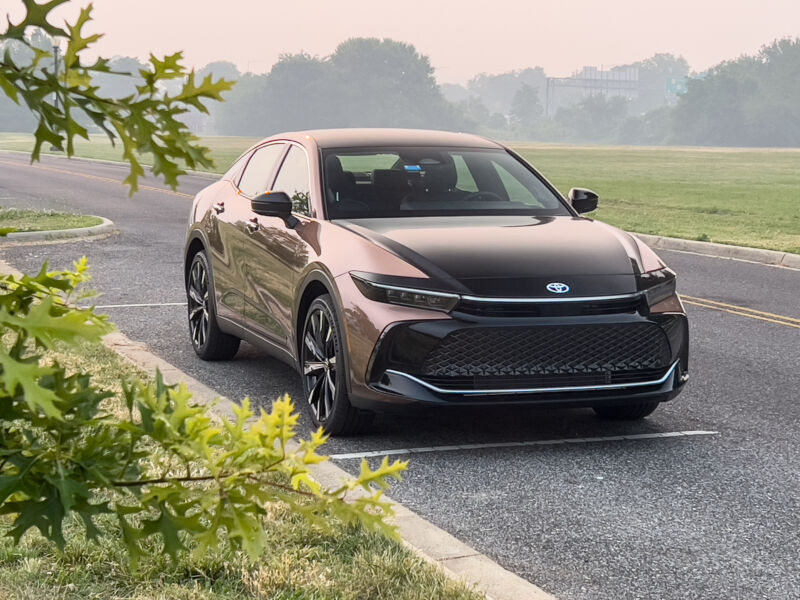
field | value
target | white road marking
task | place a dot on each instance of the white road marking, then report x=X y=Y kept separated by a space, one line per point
x=586 y=440
x=137 y=305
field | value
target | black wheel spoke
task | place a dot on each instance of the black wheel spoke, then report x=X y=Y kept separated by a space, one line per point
x=319 y=363
x=197 y=292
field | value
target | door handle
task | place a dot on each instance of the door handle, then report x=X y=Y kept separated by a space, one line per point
x=218 y=207
x=252 y=225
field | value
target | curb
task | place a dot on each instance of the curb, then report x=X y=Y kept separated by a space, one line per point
x=107 y=226
x=757 y=255
x=434 y=545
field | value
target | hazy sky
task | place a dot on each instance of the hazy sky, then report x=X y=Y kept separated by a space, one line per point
x=461 y=37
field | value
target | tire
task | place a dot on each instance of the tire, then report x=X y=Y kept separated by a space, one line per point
x=626 y=412
x=208 y=341
x=324 y=369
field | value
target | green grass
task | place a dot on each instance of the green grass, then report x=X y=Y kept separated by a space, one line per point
x=43 y=220
x=301 y=563
x=747 y=197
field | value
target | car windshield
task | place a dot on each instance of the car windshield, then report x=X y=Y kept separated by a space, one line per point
x=400 y=182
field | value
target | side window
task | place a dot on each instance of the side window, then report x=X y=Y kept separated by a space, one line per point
x=255 y=179
x=293 y=179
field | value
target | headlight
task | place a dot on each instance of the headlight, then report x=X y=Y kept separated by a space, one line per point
x=406 y=296
x=658 y=285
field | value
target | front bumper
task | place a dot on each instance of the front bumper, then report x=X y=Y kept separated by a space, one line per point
x=594 y=356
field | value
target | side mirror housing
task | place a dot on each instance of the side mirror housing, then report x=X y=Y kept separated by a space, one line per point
x=275 y=204
x=583 y=200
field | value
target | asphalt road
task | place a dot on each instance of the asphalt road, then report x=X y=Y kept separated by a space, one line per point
x=703 y=516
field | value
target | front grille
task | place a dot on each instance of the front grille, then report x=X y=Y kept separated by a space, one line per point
x=548 y=354
x=549 y=309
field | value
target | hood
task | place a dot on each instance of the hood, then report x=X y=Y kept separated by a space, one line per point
x=514 y=256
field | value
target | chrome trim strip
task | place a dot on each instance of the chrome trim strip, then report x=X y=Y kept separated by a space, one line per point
x=551 y=390
x=553 y=300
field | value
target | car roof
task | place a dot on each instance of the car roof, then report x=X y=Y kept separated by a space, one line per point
x=379 y=137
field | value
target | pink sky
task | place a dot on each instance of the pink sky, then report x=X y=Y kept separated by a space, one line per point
x=461 y=37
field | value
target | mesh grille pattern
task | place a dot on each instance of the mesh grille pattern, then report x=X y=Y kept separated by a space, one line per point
x=554 y=350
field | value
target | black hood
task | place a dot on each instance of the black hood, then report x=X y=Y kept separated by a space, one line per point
x=510 y=255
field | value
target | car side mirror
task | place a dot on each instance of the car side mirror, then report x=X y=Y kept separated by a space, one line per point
x=583 y=200
x=275 y=204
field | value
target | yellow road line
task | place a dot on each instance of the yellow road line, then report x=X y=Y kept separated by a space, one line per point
x=740 y=308
x=95 y=177
x=742 y=311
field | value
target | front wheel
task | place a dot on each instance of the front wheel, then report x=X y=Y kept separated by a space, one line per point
x=626 y=412
x=324 y=372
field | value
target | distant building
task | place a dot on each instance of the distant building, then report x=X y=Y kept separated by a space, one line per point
x=561 y=91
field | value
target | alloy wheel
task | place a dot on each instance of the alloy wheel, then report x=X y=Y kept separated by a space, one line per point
x=198 y=304
x=319 y=363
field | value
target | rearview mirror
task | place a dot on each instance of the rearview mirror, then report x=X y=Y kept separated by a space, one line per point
x=583 y=200
x=274 y=204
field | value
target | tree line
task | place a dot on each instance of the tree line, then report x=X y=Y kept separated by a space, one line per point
x=368 y=82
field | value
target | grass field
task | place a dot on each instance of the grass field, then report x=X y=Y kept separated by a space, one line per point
x=747 y=197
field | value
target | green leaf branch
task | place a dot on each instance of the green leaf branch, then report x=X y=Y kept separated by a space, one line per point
x=67 y=103
x=169 y=469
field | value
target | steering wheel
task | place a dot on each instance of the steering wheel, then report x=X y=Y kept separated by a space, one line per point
x=483 y=193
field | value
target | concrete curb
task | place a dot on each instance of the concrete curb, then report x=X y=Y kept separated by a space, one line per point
x=757 y=255
x=107 y=226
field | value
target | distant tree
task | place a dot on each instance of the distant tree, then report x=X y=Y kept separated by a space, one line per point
x=750 y=101
x=497 y=91
x=366 y=82
x=221 y=69
x=596 y=118
x=654 y=75
x=526 y=112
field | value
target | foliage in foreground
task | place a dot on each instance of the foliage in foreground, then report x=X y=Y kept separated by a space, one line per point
x=167 y=470
x=65 y=100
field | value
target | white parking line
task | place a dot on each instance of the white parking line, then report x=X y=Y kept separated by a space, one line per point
x=586 y=440
x=138 y=305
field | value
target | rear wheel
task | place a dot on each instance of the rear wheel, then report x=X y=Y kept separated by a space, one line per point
x=626 y=412
x=324 y=372
x=208 y=341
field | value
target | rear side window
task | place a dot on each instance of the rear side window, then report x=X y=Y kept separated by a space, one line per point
x=293 y=179
x=258 y=171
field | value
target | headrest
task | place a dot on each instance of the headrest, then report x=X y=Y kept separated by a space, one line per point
x=334 y=173
x=389 y=179
x=441 y=177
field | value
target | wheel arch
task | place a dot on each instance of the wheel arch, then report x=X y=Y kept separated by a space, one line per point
x=316 y=283
x=194 y=244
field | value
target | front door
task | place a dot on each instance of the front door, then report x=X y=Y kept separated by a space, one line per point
x=279 y=255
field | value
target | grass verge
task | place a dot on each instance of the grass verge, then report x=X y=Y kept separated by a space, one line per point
x=302 y=562
x=43 y=220
x=740 y=196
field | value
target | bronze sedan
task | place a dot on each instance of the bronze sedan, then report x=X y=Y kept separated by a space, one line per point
x=392 y=267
